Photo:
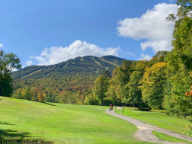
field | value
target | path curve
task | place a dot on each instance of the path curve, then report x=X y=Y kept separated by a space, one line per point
x=144 y=132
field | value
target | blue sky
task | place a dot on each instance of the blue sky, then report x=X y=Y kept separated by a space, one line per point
x=68 y=28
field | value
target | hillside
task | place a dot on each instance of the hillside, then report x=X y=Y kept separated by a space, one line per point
x=74 y=77
x=80 y=65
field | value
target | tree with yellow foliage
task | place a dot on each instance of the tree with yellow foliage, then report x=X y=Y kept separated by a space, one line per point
x=153 y=86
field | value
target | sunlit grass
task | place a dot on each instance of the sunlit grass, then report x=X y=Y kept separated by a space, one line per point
x=65 y=124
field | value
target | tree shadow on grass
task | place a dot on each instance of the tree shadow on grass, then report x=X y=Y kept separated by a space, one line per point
x=5 y=123
x=8 y=136
x=13 y=134
x=8 y=133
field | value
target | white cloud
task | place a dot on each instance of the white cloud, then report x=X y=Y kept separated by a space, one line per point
x=152 y=27
x=54 y=55
x=29 y=63
x=1 y=45
x=145 y=57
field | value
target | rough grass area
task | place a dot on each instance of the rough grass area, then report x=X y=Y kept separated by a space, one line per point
x=169 y=138
x=63 y=124
x=159 y=119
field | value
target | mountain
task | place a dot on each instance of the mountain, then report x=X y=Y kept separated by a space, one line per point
x=74 y=77
x=87 y=65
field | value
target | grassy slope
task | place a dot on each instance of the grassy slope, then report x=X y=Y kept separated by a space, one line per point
x=159 y=119
x=65 y=124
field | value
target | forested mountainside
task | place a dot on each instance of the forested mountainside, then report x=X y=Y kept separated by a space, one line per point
x=66 y=82
x=87 y=64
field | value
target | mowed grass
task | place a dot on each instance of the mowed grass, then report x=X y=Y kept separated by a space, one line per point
x=65 y=124
x=164 y=137
x=159 y=119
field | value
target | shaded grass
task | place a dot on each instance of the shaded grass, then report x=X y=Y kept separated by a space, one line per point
x=8 y=136
x=65 y=124
x=12 y=134
x=159 y=119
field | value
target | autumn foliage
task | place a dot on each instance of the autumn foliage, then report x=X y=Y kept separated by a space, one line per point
x=189 y=93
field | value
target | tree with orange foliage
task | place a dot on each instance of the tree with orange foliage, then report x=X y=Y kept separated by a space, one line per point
x=189 y=93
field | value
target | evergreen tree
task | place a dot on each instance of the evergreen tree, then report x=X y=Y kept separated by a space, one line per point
x=134 y=85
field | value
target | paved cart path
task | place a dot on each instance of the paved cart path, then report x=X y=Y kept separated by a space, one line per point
x=144 y=132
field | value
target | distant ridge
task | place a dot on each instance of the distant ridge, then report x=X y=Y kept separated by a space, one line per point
x=87 y=64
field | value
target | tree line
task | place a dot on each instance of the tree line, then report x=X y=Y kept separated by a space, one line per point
x=69 y=90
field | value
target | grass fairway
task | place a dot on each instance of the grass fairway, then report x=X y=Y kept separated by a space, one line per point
x=65 y=124
x=159 y=119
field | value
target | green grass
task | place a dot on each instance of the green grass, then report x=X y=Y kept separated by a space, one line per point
x=159 y=119
x=168 y=138
x=64 y=124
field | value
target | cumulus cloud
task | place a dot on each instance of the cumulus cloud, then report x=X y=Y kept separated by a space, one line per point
x=55 y=54
x=29 y=63
x=1 y=45
x=152 y=27
x=145 y=57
